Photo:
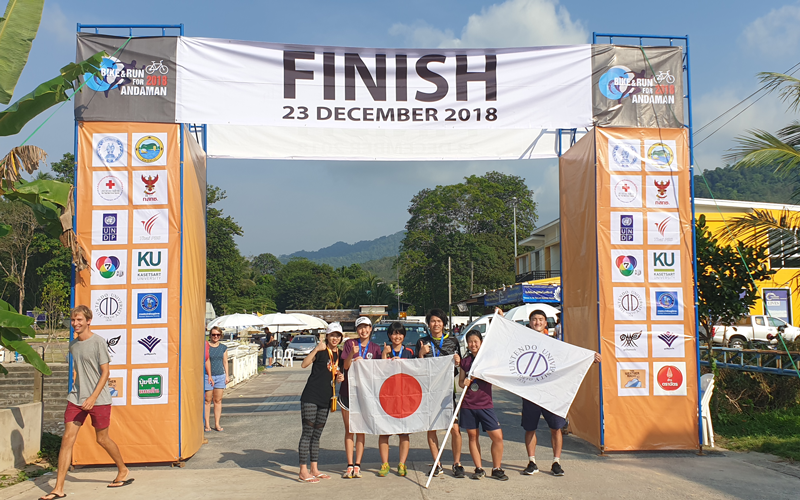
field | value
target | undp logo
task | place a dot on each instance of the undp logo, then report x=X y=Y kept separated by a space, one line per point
x=529 y=364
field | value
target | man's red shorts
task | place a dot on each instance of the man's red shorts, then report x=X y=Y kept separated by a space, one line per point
x=101 y=415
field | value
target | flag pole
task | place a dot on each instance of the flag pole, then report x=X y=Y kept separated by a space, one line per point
x=447 y=434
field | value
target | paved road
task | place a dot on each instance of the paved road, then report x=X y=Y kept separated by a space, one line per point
x=256 y=455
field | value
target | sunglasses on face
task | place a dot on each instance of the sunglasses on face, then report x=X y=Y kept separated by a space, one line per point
x=216 y=335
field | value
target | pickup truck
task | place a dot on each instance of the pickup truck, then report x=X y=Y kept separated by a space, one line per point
x=759 y=329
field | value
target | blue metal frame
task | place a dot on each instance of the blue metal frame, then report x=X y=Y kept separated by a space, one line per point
x=688 y=97
x=130 y=27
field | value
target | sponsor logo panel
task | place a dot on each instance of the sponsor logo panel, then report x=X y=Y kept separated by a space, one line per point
x=117 y=342
x=150 y=386
x=149 y=187
x=624 y=154
x=109 y=267
x=149 y=266
x=663 y=228
x=627 y=228
x=149 y=346
x=664 y=266
x=109 y=188
x=666 y=303
x=149 y=149
x=626 y=191
x=151 y=226
x=109 y=227
x=633 y=379
x=109 y=307
x=660 y=156
x=630 y=341
x=149 y=306
x=110 y=150
x=630 y=304
x=661 y=191
x=669 y=378
x=118 y=387
x=668 y=341
x=627 y=266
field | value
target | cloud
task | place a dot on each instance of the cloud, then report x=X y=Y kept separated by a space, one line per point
x=514 y=23
x=776 y=33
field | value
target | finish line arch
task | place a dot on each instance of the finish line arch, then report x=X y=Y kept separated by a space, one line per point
x=626 y=196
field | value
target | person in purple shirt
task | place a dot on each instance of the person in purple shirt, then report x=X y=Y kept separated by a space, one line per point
x=355 y=349
x=477 y=409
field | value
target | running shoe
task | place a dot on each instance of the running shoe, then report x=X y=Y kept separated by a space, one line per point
x=384 y=470
x=499 y=474
x=437 y=470
x=531 y=469
x=557 y=470
x=348 y=473
x=458 y=471
x=356 y=472
x=401 y=470
x=479 y=473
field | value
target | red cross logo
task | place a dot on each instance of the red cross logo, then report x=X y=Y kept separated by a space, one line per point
x=110 y=184
x=625 y=188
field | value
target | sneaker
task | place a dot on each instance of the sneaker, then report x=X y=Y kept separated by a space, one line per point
x=557 y=470
x=348 y=473
x=384 y=470
x=437 y=470
x=479 y=473
x=499 y=474
x=401 y=469
x=356 y=471
x=458 y=471
x=531 y=469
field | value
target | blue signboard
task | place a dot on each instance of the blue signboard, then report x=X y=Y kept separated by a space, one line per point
x=523 y=294
x=777 y=303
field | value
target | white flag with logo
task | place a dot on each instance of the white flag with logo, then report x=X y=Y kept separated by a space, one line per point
x=401 y=396
x=532 y=365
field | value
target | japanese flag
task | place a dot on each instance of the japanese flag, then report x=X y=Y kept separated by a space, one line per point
x=401 y=396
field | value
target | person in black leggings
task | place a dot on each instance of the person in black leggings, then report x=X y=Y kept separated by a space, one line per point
x=317 y=399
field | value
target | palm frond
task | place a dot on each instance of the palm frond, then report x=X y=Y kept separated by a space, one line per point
x=780 y=235
x=761 y=148
x=790 y=134
x=789 y=87
x=20 y=158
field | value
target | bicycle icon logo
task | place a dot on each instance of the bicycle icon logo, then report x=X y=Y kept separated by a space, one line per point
x=664 y=76
x=160 y=67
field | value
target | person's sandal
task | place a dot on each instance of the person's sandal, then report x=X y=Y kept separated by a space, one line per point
x=348 y=474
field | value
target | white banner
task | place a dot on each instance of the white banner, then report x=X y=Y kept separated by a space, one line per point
x=401 y=396
x=533 y=366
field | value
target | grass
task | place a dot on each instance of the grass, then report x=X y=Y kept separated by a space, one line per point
x=773 y=431
x=47 y=462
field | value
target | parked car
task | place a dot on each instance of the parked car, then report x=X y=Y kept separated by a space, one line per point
x=302 y=345
x=758 y=329
x=414 y=332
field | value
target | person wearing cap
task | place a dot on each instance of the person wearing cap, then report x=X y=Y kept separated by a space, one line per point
x=440 y=343
x=318 y=398
x=355 y=349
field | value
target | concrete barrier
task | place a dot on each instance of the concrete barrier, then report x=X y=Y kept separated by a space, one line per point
x=242 y=362
x=20 y=435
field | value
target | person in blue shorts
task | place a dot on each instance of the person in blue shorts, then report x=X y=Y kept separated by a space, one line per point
x=477 y=409
x=216 y=376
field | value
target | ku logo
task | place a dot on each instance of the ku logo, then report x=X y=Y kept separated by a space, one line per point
x=664 y=259
x=629 y=339
x=148 y=259
x=662 y=188
x=149 y=184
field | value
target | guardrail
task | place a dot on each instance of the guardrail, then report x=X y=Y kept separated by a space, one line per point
x=753 y=360
x=242 y=362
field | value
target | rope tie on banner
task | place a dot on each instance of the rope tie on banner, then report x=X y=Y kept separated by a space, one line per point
x=70 y=97
x=705 y=181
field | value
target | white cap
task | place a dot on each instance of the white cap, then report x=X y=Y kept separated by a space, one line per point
x=363 y=320
x=334 y=327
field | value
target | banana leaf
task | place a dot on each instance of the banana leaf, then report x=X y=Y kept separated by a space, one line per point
x=4 y=229
x=13 y=328
x=18 y=28
x=49 y=200
x=48 y=94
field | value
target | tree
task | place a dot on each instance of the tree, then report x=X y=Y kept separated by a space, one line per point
x=265 y=263
x=302 y=284
x=727 y=276
x=15 y=247
x=224 y=264
x=473 y=224
x=745 y=184
x=64 y=169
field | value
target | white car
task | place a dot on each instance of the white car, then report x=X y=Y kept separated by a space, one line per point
x=753 y=328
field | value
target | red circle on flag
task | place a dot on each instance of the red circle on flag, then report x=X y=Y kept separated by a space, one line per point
x=670 y=378
x=400 y=395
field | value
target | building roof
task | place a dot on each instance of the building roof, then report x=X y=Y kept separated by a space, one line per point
x=739 y=205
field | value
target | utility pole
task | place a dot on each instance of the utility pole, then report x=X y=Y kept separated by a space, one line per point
x=398 y=288
x=449 y=293
x=471 y=285
x=515 y=232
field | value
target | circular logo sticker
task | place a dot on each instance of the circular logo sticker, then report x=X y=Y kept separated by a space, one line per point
x=110 y=149
x=660 y=155
x=149 y=302
x=626 y=191
x=149 y=149
x=108 y=266
x=110 y=188
x=669 y=378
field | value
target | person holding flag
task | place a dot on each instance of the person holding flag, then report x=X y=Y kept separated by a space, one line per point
x=477 y=409
x=319 y=396
x=354 y=349
x=438 y=343
x=395 y=351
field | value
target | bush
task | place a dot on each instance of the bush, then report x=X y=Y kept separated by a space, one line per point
x=739 y=392
x=51 y=444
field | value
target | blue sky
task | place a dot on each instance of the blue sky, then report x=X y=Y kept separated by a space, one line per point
x=288 y=206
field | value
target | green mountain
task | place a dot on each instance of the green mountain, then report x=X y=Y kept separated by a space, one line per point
x=382 y=268
x=746 y=184
x=343 y=254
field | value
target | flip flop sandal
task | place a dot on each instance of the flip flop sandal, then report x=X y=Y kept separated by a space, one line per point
x=120 y=484
x=53 y=495
x=310 y=480
x=323 y=476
